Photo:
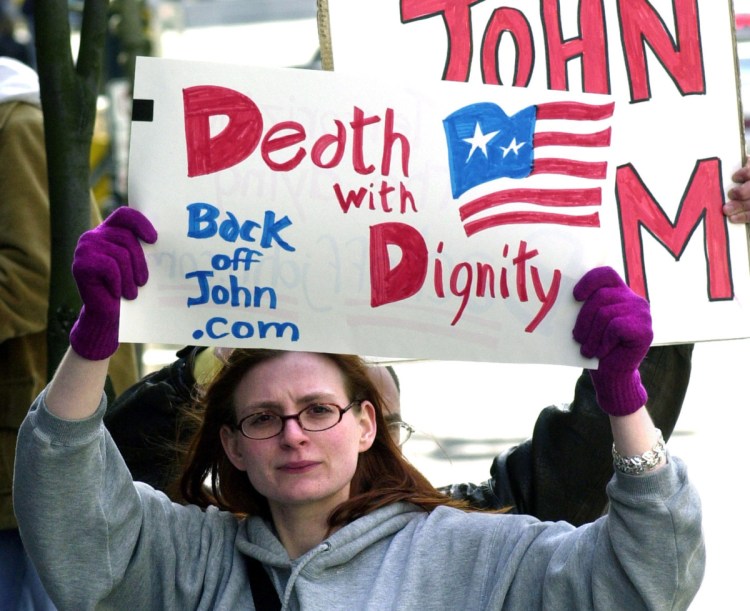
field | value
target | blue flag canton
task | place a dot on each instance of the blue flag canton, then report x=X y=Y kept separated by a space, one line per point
x=485 y=144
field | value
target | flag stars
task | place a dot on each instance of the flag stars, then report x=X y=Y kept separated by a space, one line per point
x=479 y=140
x=513 y=147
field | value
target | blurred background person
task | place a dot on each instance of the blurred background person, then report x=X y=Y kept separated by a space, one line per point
x=11 y=43
x=24 y=290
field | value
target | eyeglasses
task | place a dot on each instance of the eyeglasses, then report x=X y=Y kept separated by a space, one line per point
x=400 y=431
x=314 y=418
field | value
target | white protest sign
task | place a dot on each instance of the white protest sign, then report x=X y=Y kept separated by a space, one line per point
x=669 y=65
x=310 y=210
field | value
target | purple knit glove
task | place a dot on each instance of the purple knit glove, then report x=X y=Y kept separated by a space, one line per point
x=108 y=264
x=614 y=325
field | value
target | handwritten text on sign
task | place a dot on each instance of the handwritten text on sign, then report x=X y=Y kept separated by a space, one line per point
x=677 y=124
x=417 y=221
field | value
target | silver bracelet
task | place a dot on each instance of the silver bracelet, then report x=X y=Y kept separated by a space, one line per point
x=637 y=465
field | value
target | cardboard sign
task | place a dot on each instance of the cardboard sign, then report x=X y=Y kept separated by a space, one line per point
x=312 y=210
x=670 y=67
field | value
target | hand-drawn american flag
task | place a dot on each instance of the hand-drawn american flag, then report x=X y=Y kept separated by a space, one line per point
x=485 y=144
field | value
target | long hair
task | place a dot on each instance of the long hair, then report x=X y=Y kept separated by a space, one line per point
x=382 y=476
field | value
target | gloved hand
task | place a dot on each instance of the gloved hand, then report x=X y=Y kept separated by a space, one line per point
x=108 y=264
x=614 y=325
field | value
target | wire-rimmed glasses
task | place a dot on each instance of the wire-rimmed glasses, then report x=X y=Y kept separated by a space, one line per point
x=400 y=431
x=313 y=418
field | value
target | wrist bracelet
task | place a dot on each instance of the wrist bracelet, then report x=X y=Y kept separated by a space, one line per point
x=637 y=465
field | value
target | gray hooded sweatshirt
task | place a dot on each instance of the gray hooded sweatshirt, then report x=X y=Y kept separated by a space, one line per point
x=100 y=541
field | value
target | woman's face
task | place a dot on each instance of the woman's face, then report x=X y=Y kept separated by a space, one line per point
x=298 y=467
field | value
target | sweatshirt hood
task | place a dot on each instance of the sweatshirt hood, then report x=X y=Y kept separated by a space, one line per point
x=259 y=540
x=18 y=82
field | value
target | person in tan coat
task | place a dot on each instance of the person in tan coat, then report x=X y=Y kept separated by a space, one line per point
x=24 y=290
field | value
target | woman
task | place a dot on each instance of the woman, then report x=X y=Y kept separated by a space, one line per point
x=306 y=480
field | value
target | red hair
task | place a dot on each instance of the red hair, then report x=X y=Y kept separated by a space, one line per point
x=382 y=476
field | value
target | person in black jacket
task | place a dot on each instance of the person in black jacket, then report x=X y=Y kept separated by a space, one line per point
x=559 y=473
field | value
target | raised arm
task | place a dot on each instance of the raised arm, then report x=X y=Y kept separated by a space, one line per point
x=561 y=472
x=108 y=264
x=614 y=325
